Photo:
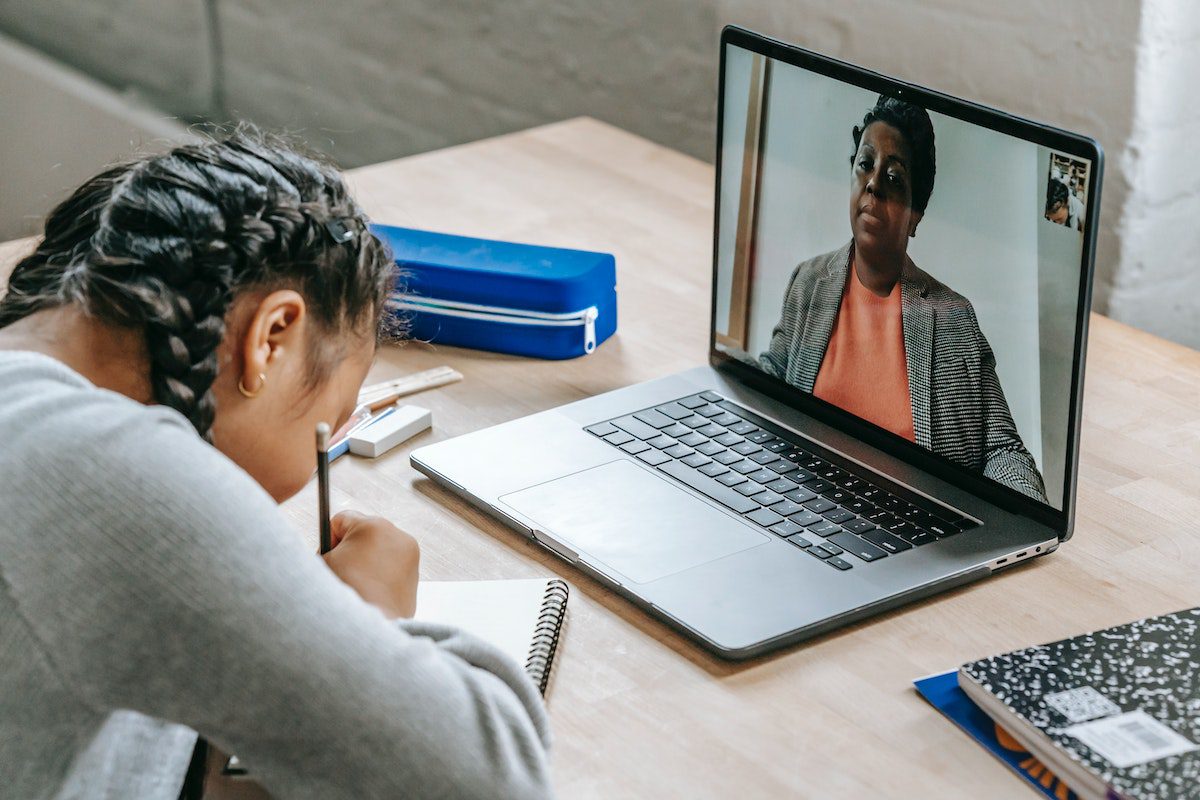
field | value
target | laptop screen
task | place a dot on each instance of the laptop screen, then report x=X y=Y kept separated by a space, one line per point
x=918 y=271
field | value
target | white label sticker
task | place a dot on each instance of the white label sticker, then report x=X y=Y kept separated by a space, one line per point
x=1130 y=739
x=1081 y=704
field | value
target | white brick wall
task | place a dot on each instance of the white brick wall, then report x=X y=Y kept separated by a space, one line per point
x=369 y=80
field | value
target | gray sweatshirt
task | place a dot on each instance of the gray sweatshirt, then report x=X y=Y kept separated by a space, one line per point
x=147 y=583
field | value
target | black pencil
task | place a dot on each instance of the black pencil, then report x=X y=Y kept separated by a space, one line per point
x=323 y=485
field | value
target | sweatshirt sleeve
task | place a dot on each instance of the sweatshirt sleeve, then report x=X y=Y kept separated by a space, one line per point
x=179 y=591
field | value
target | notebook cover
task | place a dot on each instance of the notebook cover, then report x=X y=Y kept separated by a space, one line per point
x=943 y=693
x=1123 y=702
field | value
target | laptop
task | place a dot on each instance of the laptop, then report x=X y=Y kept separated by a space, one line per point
x=901 y=287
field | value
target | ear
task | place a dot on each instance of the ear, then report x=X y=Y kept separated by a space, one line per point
x=274 y=332
x=913 y=222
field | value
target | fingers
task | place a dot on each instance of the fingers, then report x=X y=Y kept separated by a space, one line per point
x=343 y=523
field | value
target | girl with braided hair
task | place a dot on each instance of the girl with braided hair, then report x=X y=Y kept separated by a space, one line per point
x=165 y=354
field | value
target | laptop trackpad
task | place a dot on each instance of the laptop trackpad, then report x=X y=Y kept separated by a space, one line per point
x=632 y=521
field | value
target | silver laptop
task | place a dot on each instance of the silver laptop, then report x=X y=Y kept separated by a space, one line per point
x=901 y=284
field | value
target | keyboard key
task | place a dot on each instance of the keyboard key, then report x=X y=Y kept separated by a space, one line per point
x=857 y=525
x=833 y=548
x=674 y=411
x=636 y=427
x=695 y=401
x=924 y=537
x=693 y=460
x=745 y=448
x=941 y=530
x=654 y=418
x=801 y=475
x=800 y=542
x=784 y=467
x=902 y=529
x=760 y=436
x=883 y=539
x=661 y=442
x=727 y=419
x=761 y=476
x=635 y=447
x=618 y=438
x=748 y=488
x=859 y=506
x=711 y=411
x=707 y=448
x=786 y=528
x=744 y=467
x=839 y=515
x=818 y=485
x=602 y=430
x=825 y=529
x=819 y=551
x=766 y=497
x=707 y=486
x=833 y=474
x=781 y=485
x=778 y=446
x=820 y=505
x=682 y=451
x=677 y=430
x=863 y=549
x=727 y=457
x=729 y=439
x=764 y=517
x=712 y=431
x=712 y=397
x=763 y=457
x=742 y=428
x=654 y=457
x=839 y=563
x=855 y=484
x=693 y=439
x=712 y=469
x=799 y=495
x=786 y=508
x=838 y=495
x=807 y=518
x=731 y=479
x=872 y=491
x=694 y=422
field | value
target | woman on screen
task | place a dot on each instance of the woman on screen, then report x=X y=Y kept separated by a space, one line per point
x=867 y=330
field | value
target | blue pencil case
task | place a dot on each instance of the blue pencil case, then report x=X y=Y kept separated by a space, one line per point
x=524 y=299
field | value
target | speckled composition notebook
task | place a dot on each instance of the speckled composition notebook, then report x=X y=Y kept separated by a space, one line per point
x=1116 y=712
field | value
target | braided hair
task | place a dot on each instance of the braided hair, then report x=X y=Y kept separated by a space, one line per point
x=165 y=243
x=916 y=127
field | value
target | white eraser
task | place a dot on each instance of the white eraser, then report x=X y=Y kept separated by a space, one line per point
x=400 y=425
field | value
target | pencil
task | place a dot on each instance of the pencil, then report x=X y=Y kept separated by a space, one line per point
x=323 y=485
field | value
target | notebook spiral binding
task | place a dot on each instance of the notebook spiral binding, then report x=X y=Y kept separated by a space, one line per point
x=546 y=633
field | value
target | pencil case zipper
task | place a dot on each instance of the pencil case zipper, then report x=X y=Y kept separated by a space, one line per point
x=510 y=316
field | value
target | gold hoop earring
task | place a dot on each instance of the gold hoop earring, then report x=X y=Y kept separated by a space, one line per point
x=262 y=381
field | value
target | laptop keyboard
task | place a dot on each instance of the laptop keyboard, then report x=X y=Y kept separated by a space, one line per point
x=783 y=483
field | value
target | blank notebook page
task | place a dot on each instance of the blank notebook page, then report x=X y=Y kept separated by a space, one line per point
x=504 y=613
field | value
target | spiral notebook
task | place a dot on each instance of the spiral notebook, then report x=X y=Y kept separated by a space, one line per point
x=523 y=618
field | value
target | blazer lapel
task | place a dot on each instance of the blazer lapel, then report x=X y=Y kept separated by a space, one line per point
x=823 y=305
x=918 y=321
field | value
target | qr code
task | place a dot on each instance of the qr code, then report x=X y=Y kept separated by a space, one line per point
x=1081 y=704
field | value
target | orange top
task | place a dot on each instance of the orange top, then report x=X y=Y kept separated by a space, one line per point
x=865 y=370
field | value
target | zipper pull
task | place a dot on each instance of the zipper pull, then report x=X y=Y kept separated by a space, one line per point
x=589 y=329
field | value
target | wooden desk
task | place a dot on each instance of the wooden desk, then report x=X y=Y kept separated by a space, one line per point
x=639 y=711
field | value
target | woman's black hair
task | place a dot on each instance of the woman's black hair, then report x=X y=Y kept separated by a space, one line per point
x=1056 y=192
x=164 y=243
x=917 y=129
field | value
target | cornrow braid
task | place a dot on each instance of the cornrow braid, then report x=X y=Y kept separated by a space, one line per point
x=165 y=244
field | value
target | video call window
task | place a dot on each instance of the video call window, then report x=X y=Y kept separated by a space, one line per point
x=915 y=270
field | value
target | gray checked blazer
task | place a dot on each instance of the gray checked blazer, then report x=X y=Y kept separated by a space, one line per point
x=958 y=406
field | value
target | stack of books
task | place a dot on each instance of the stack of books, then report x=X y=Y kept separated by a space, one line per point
x=1109 y=714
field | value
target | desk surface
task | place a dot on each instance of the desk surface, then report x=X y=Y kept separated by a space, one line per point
x=639 y=711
